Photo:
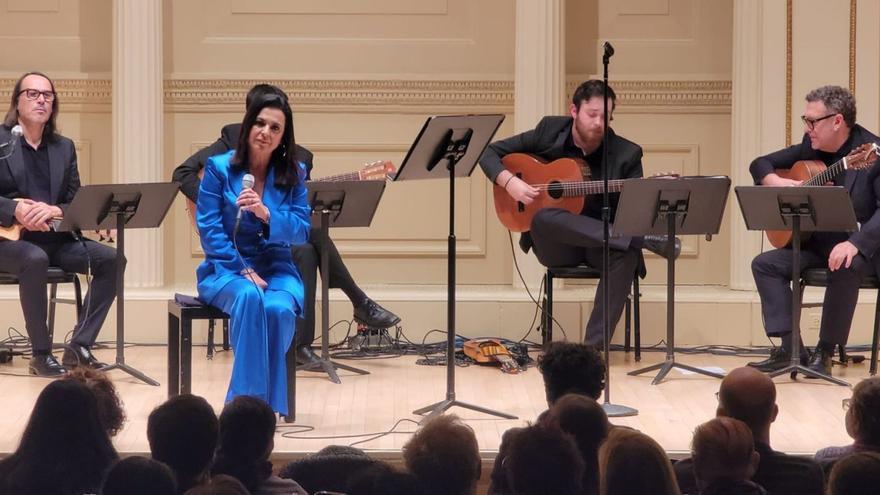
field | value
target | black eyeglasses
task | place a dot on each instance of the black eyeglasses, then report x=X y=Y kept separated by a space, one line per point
x=811 y=123
x=33 y=94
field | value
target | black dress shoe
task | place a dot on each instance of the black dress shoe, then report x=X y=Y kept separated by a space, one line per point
x=779 y=358
x=372 y=315
x=657 y=245
x=77 y=355
x=46 y=365
x=820 y=362
x=306 y=356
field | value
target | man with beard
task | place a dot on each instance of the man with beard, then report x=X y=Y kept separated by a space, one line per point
x=562 y=238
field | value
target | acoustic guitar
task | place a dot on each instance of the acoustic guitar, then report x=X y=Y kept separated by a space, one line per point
x=379 y=170
x=560 y=183
x=491 y=351
x=815 y=173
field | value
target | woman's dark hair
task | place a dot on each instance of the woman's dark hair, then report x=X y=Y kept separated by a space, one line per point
x=110 y=409
x=140 y=476
x=11 y=119
x=584 y=419
x=283 y=159
x=855 y=474
x=64 y=448
x=247 y=428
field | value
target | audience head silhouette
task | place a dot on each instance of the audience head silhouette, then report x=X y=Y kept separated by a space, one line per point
x=443 y=454
x=247 y=431
x=584 y=419
x=855 y=474
x=748 y=395
x=863 y=415
x=64 y=448
x=182 y=433
x=572 y=368
x=632 y=463
x=139 y=476
x=221 y=484
x=723 y=451
x=543 y=460
x=110 y=408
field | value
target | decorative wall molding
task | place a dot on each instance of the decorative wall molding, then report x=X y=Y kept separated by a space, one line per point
x=214 y=95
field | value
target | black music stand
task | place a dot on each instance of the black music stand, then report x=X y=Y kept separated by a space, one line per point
x=689 y=205
x=338 y=204
x=447 y=147
x=120 y=206
x=798 y=209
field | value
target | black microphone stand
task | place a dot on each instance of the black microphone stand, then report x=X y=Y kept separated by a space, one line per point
x=612 y=410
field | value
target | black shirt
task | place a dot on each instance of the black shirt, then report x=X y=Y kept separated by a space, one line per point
x=36 y=166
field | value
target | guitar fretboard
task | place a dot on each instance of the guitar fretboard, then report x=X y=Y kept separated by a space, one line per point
x=582 y=188
x=341 y=177
x=827 y=175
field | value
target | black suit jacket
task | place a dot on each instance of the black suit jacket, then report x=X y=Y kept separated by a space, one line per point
x=863 y=185
x=187 y=173
x=63 y=175
x=547 y=141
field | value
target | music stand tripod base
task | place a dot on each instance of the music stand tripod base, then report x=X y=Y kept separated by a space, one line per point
x=666 y=366
x=444 y=405
x=795 y=368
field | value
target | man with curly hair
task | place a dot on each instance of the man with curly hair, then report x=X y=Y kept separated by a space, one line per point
x=572 y=368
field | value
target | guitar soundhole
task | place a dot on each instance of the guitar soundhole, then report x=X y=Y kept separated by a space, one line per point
x=555 y=190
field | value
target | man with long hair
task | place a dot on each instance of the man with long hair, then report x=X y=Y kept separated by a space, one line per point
x=37 y=182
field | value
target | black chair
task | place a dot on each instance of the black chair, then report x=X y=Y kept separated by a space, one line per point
x=632 y=321
x=182 y=311
x=820 y=277
x=55 y=276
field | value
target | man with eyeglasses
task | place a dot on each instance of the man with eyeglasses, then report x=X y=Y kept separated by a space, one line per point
x=830 y=133
x=37 y=182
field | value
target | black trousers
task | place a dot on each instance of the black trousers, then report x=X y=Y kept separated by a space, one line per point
x=308 y=259
x=565 y=239
x=29 y=261
x=772 y=272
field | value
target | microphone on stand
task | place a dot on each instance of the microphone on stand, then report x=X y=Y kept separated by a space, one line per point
x=16 y=135
x=609 y=51
x=247 y=182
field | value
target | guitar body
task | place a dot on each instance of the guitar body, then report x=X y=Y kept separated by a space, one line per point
x=491 y=351
x=802 y=171
x=516 y=216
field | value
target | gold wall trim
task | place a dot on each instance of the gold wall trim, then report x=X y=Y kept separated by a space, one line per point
x=337 y=95
x=852 y=46
x=788 y=58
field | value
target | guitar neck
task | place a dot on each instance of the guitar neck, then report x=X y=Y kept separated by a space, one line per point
x=348 y=176
x=828 y=174
x=585 y=188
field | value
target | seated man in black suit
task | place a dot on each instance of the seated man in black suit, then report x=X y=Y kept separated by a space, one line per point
x=306 y=256
x=561 y=238
x=748 y=395
x=830 y=134
x=37 y=183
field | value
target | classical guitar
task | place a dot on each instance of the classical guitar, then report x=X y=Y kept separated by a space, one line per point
x=488 y=351
x=380 y=170
x=561 y=183
x=815 y=173
x=13 y=232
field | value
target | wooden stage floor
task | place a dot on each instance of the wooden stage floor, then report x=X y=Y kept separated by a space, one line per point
x=810 y=415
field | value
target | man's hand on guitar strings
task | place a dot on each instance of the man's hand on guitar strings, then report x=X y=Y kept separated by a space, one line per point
x=521 y=191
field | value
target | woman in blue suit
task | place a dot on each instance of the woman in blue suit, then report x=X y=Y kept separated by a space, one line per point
x=248 y=271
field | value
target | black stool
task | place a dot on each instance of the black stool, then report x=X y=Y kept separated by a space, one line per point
x=820 y=277
x=55 y=276
x=631 y=311
x=180 y=318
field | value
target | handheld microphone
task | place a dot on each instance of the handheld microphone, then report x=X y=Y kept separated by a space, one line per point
x=609 y=50
x=246 y=182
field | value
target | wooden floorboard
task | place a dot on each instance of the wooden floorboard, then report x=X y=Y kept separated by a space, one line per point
x=810 y=415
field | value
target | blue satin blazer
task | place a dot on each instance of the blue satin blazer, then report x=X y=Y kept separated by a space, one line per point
x=263 y=247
